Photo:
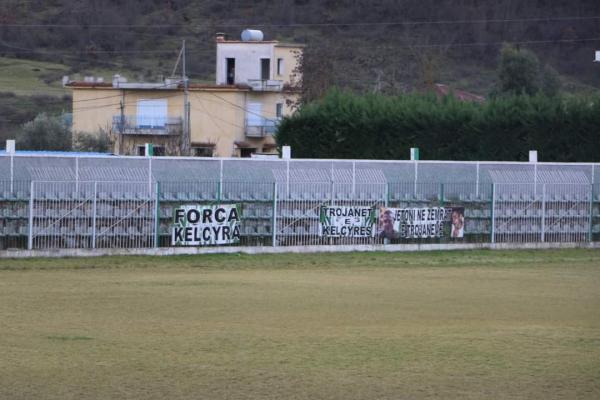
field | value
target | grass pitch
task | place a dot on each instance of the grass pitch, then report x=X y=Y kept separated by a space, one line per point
x=450 y=325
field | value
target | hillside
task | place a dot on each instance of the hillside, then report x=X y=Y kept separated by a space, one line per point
x=387 y=45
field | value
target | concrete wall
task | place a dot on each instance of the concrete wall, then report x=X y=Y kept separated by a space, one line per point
x=217 y=116
x=93 y=108
x=290 y=249
x=290 y=61
x=247 y=59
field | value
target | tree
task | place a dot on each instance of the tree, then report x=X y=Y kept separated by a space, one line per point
x=550 y=82
x=98 y=142
x=45 y=133
x=520 y=72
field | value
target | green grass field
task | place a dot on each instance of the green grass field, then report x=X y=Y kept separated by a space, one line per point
x=447 y=325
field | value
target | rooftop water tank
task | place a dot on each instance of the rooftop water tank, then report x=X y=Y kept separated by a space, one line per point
x=251 y=35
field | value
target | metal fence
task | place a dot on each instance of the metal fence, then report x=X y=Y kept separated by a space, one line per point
x=135 y=214
x=479 y=175
x=92 y=215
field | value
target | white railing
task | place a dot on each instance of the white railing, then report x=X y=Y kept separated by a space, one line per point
x=135 y=125
x=265 y=85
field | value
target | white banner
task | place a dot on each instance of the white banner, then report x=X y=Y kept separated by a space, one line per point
x=199 y=225
x=341 y=221
x=414 y=223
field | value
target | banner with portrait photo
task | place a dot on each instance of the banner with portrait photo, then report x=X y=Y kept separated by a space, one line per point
x=420 y=223
x=342 y=221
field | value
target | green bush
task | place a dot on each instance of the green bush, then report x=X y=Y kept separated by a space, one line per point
x=345 y=125
x=45 y=133
x=95 y=142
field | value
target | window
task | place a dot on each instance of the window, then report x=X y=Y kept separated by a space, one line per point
x=254 y=114
x=279 y=110
x=280 y=66
x=202 y=151
x=230 y=71
x=265 y=69
x=151 y=114
x=247 y=152
x=156 y=150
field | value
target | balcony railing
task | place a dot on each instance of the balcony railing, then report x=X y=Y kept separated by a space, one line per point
x=264 y=127
x=265 y=85
x=147 y=125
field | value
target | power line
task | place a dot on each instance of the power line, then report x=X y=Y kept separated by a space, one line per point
x=211 y=116
x=464 y=44
x=317 y=24
x=126 y=103
x=241 y=108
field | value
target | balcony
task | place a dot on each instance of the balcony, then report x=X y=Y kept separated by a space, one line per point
x=265 y=85
x=263 y=128
x=145 y=125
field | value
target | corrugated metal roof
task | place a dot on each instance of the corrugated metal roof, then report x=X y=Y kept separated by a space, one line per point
x=112 y=174
x=51 y=173
x=59 y=153
x=543 y=176
x=342 y=175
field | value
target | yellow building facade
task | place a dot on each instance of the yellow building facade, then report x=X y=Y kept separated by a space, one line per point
x=235 y=118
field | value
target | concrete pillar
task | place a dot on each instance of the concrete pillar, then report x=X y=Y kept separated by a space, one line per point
x=414 y=154
x=533 y=156
x=10 y=146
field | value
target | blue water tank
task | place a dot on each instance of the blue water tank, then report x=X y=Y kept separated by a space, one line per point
x=252 y=35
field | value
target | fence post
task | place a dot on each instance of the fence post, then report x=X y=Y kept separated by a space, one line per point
x=94 y=211
x=353 y=179
x=442 y=194
x=149 y=176
x=77 y=175
x=157 y=216
x=274 y=222
x=477 y=183
x=591 y=219
x=332 y=191
x=492 y=213
x=416 y=177
x=220 y=195
x=387 y=195
x=30 y=236
x=12 y=174
x=535 y=178
x=287 y=178
x=543 y=233
x=387 y=204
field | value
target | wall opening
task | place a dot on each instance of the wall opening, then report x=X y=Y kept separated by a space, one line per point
x=231 y=71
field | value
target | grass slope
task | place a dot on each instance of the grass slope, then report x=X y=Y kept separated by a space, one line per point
x=336 y=326
x=25 y=77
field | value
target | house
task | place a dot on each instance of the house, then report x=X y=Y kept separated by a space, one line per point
x=235 y=117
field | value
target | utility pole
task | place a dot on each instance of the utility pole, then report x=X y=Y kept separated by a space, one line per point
x=121 y=124
x=185 y=140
